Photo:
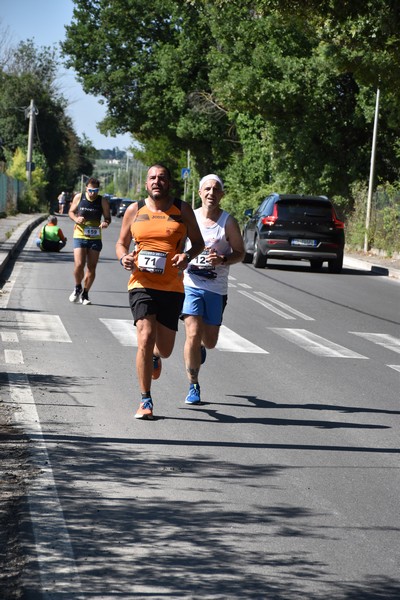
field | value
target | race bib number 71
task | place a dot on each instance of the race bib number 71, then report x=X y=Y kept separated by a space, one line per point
x=152 y=262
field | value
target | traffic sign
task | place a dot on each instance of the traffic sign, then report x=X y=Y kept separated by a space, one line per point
x=185 y=173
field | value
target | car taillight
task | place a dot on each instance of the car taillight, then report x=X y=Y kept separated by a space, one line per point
x=338 y=224
x=270 y=220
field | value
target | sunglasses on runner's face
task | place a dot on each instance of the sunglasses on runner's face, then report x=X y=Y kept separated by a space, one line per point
x=92 y=190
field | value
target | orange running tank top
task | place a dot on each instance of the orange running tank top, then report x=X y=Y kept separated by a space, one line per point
x=158 y=236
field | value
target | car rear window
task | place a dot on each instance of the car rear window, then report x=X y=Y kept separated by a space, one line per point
x=289 y=210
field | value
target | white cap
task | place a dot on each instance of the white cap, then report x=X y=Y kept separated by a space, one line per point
x=213 y=177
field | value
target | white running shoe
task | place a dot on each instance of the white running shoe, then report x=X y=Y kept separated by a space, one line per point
x=74 y=297
x=85 y=300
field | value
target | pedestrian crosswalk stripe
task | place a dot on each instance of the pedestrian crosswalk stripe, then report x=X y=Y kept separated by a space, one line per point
x=316 y=344
x=123 y=330
x=9 y=336
x=41 y=328
x=382 y=339
x=229 y=341
x=395 y=367
x=13 y=357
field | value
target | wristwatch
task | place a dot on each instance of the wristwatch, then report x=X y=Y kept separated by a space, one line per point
x=189 y=258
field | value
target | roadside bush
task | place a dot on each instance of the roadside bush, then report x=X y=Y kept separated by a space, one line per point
x=33 y=199
x=384 y=229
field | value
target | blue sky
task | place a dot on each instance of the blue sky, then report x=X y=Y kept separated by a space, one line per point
x=44 y=21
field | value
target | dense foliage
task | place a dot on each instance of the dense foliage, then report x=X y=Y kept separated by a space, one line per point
x=31 y=73
x=271 y=94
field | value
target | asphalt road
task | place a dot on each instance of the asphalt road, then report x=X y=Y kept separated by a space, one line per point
x=283 y=484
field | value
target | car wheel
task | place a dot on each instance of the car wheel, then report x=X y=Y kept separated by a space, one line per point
x=259 y=260
x=316 y=265
x=335 y=266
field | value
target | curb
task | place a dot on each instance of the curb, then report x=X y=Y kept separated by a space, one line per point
x=355 y=263
x=11 y=246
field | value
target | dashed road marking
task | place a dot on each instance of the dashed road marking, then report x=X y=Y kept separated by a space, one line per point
x=284 y=310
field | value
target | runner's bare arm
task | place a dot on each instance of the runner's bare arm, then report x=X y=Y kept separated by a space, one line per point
x=106 y=213
x=73 y=208
x=235 y=239
x=193 y=233
x=125 y=238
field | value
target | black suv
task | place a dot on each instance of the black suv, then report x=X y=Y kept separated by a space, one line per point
x=294 y=227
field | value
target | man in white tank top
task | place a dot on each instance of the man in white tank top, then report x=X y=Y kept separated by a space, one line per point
x=206 y=279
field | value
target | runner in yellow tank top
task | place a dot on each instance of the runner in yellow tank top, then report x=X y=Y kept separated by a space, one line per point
x=158 y=226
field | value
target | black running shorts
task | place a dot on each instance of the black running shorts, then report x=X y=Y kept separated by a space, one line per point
x=167 y=306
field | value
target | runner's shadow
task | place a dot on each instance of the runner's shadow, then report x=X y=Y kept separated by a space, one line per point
x=259 y=403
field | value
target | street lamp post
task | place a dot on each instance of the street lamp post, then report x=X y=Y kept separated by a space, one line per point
x=31 y=113
x=371 y=173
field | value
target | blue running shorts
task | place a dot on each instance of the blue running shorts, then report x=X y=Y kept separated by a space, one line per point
x=205 y=304
x=88 y=244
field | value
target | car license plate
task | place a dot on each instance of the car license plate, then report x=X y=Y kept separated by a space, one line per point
x=309 y=243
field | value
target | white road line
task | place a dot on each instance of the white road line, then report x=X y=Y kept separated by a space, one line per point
x=316 y=344
x=244 y=285
x=9 y=336
x=54 y=552
x=13 y=357
x=285 y=306
x=6 y=290
x=395 y=367
x=267 y=305
x=123 y=330
x=229 y=341
x=42 y=328
x=382 y=339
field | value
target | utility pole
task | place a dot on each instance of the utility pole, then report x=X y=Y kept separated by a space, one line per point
x=186 y=182
x=30 y=113
x=371 y=173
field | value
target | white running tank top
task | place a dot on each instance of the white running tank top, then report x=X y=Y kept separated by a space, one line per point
x=199 y=274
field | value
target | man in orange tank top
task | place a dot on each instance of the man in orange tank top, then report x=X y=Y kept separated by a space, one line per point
x=158 y=227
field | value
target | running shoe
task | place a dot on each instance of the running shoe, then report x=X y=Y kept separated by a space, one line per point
x=145 y=410
x=193 y=396
x=203 y=353
x=156 y=367
x=85 y=299
x=75 y=296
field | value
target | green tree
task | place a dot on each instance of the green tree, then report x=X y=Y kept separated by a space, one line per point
x=31 y=74
x=267 y=92
x=150 y=86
